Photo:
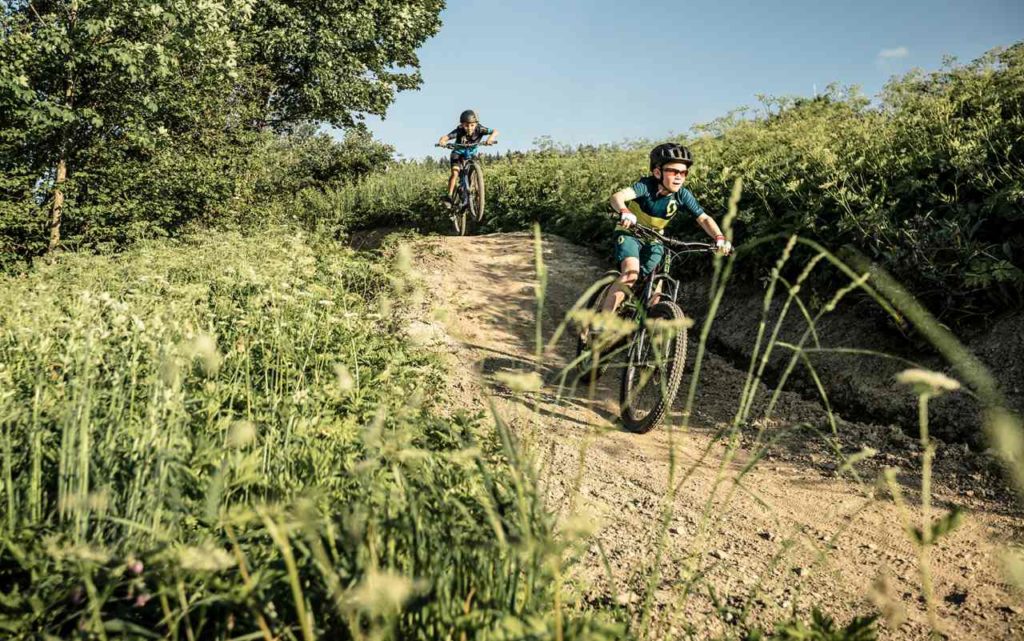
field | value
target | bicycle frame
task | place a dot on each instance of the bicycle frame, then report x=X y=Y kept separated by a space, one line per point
x=651 y=285
x=464 y=181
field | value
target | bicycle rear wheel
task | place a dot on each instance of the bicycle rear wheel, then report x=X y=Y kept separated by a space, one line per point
x=476 y=191
x=654 y=369
x=592 y=364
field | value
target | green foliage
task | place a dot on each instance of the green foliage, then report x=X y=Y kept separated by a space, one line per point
x=405 y=193
x=333 y=61
x=200 y=439
x=161 y=113
x=930 y=183
x=306 y=159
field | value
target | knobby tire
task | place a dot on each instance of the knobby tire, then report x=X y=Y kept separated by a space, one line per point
x=665 y=377
x=476 y=192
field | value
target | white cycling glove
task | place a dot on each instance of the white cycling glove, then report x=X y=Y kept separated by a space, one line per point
x=627 y=217
x=722 y=246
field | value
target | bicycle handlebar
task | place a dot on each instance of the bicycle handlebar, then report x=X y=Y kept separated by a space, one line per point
x=685 y=246
x=458 y=145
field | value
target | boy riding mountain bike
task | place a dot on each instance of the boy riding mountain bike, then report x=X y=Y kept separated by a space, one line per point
x=469 y=132
x=651 y=342
x=653 y=202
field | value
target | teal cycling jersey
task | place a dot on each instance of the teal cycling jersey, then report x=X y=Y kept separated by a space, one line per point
x=461 y=136
x=656 y=211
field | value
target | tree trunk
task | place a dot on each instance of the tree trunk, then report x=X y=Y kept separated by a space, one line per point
x=58 y=203
x=57 y=210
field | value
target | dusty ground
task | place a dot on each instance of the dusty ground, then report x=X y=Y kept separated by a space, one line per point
x=794 y=532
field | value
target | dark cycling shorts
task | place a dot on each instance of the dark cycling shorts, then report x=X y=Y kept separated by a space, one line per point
x=648 y=253
x=458 y=159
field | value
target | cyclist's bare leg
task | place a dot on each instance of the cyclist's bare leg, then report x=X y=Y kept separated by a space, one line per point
x=630 y=271
x=453 y=179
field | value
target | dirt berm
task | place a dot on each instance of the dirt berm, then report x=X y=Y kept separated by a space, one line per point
x=698 y=528
x=862 y=387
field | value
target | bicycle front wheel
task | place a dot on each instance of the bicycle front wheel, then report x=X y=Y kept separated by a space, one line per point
x=476 y=191
x=459 y=215
x=654 y=369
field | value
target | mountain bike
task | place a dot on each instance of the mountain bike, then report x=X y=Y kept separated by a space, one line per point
x=653 y=337
x=468 y=203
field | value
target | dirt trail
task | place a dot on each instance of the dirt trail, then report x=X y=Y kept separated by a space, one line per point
x=794 y=533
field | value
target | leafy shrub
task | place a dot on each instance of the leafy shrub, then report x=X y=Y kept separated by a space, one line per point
x=929 y=183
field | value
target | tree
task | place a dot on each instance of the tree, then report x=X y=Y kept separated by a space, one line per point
x=81 y=74
x=333 y=60
x=93 y=91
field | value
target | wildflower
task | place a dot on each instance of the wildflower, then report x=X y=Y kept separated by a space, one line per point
x=204 y=347
x=668 y=326
x=926 y=382
x=381 y=593
x=240 y=434
x=344 y=379
x=135 y=566
x=205 y=559
x=84 y=553
x=403 y=261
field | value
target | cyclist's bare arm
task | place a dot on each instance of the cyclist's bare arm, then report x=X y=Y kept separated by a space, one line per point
x=709 y=226
x=443 y=141
x=619 y=200
x=492 y=137
x=621 y=197
x=712 y=229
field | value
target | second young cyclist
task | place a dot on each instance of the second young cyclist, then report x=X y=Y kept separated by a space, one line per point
x=469 y=132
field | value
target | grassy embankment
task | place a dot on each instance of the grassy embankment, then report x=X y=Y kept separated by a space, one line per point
x=231 y=438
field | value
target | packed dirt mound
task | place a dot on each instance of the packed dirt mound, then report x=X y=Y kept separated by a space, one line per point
x=694 y=521
x=861 y=386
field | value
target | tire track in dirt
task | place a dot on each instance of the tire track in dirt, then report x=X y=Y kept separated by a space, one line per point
x=794 y=533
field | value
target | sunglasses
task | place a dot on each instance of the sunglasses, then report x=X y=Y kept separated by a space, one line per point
x=669 y=171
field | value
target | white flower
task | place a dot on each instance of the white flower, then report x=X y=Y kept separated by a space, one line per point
x=241 y=433
x=520 y=381
x=381 y=593
x=927 y=382
x=205 y=559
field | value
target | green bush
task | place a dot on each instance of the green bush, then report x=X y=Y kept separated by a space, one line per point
x=929 y=182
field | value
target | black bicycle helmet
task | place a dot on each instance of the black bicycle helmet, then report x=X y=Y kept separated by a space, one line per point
x=467 y=116
x=670 y=152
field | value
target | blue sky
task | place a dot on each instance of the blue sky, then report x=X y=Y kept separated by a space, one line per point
x=604 y=71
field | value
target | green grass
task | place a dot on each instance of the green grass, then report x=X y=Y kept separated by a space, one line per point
x=229 y=438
